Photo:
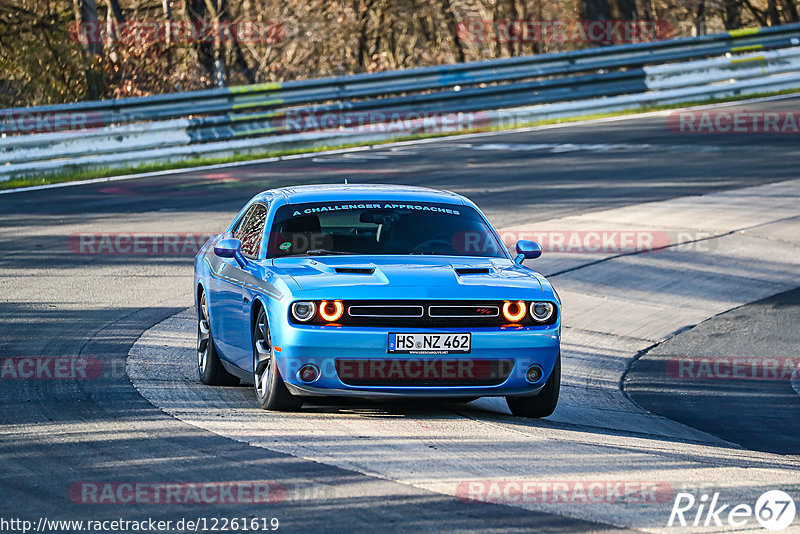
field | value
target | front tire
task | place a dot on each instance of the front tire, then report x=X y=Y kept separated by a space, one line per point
x=209 y=367
x=271 y=392
x=544 y=403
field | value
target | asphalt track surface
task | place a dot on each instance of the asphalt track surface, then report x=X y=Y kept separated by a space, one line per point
x=761 y=413
x=57 y=433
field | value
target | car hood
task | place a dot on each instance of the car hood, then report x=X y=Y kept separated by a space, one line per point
x=410 y=277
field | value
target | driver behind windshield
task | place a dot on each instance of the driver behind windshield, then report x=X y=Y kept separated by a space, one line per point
x=380 y=227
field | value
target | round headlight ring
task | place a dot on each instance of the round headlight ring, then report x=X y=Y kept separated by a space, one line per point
x=304 y=310
x=542 y=311
x=514 y=311
x=338 y=310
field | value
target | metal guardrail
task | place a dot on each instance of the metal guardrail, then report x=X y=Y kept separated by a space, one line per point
x=254 y=118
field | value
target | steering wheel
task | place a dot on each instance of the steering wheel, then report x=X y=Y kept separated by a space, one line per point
x=430 y=244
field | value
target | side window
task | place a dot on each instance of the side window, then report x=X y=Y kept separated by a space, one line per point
x=251 y=230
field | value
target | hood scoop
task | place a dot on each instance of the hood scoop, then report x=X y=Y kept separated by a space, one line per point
x=354 y=270
x=461 y=271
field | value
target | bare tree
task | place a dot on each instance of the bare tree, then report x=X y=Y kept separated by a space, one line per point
x=700 y=18
x=732 y=14
x=365 y=10
x=625 y=10
x=790 y=8
x=199 y=17
x=87 y=23
x=595 y=10
x=772 y=13
x=89 y=34
x=452 y=27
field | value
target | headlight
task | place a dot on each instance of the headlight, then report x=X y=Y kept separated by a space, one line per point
x=304 y=311
x=542 y=311
x=514 y=311
x=331 y=311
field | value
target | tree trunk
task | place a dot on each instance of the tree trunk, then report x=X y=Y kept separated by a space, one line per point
x=89 y=35
x=452 y=27
x=733 y=14
x=363 y=25
x=790 y=9
x=511 y=16
x=113 y=19
x=89 y=31
x=223 y=16
x=625 y=10
x=166 y=6
x=199 y=18
x=772 y=12
x=595 y=10
x=115 y=10
x=700 y=18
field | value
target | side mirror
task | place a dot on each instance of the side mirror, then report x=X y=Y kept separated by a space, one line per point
x=527 y=250
x=228 y=247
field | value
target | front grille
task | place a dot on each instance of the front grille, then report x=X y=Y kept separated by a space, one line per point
x=463 y=311
x=385 y=311
x=413 y=314
x=417 y=372
x=425 y=314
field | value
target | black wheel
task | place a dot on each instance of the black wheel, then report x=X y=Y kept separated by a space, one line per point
x=208 y=365
x=542 y=404
x=271 y=392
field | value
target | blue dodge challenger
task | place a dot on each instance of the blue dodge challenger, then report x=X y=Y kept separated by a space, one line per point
x=374 y=291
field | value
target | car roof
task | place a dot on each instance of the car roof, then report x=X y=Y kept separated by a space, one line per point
x=347 y=192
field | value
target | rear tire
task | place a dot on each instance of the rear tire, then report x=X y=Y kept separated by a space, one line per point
x=209 y=367
x=544 y=403
x=271 y=392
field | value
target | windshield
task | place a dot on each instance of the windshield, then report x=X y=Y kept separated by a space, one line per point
x=381 y=227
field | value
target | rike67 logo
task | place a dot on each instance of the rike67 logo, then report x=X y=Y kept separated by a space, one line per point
x=774 y=510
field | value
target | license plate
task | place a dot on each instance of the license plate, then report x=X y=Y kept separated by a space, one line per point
x=429 y=343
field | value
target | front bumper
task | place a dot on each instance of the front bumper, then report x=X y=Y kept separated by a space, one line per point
x=512 y=348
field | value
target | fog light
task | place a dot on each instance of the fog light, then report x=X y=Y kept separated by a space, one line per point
x=308 y=373
x=534 y=374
